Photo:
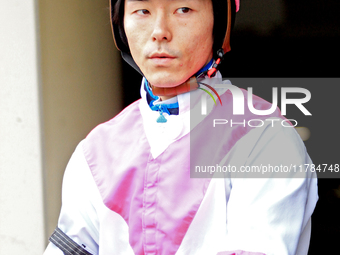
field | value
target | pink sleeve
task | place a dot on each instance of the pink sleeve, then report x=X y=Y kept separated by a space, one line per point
x=239 y=253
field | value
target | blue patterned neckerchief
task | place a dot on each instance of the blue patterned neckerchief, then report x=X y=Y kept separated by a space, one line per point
x=171 y=109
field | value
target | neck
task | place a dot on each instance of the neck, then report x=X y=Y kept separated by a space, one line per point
x=189 y=85
x=163 y=98
x=167 y=93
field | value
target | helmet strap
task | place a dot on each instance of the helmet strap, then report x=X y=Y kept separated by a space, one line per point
x=225 y=47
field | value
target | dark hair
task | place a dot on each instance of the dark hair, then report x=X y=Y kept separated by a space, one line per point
x=220 y=8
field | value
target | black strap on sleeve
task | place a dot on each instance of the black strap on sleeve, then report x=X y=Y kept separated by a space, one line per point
x=66 y=244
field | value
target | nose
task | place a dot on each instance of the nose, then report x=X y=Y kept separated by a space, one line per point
x=161 y=30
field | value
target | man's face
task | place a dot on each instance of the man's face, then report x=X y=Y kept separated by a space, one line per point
x=170 y=40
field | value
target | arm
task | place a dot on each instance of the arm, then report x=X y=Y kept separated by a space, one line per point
x=78 y=218
x=270 y=215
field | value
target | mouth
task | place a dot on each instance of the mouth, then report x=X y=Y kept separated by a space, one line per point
x=161 y=55
x=161 y=59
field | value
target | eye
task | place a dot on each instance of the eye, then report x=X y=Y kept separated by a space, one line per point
x=142 y=12
x=183 y=10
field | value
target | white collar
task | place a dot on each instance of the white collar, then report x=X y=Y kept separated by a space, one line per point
x=161 y=135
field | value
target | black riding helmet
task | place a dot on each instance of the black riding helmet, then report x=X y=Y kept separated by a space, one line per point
x=224 y=17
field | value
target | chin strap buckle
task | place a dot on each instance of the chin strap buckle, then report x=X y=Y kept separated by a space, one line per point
x=212 y=71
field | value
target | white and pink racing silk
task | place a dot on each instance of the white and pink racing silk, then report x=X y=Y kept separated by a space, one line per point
x=128 y=188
